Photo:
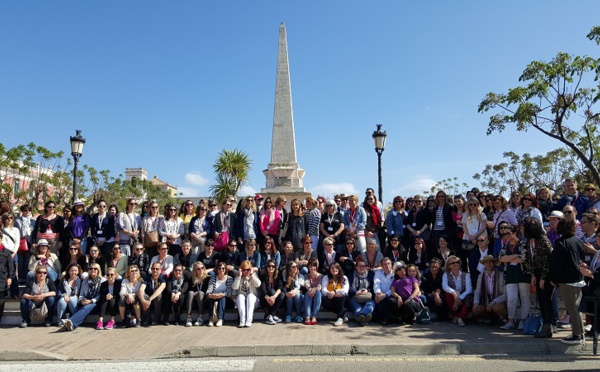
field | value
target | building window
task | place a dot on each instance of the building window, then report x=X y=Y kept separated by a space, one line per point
x=16 y=186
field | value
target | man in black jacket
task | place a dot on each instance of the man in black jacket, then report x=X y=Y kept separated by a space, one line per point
x=7 y=271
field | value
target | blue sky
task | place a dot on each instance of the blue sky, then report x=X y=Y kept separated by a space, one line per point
x=167 y=85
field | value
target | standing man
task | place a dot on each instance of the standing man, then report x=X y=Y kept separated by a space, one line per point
x=7 y=271
x=589 y=225
x=574 y=198
x=258 y=200
x=355 y=221
x=382 y=283
x=570 y=213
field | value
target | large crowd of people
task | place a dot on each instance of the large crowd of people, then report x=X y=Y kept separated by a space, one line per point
x=477 y=257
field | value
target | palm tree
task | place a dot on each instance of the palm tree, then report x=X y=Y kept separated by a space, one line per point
x=231 y=172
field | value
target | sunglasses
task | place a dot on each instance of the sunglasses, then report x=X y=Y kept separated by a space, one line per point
x=481 y=240
x=73 y=249
x=93 y=269
x=453 y=263
x=568 y=212
x=307 y=243
x=270 y=266
x=222 y=268
x=199 y=268
x=42 y=272
x=527 y=199
x=110 y=274
x=505 y=234
x=590 y=189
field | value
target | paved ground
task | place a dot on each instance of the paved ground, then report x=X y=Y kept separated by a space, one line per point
x=85 y=343
x=474 y=363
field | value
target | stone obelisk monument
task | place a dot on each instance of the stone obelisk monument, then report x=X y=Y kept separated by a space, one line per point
x=283 y=174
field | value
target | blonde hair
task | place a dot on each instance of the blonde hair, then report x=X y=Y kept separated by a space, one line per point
x=195 y=279
x=479 y=209
x=450 y=258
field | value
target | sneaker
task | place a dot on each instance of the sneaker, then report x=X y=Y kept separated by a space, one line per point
x=23 y=324
x=248 y=324
x=242 y=324
x=299 y=319
x=199 y=322
x=134 y=322
x=60 y=323
x=361 y=320
x=345 y=319
x=188 y=322
x=110 y=325
x=137 y=324
x=455 y=320
x=270 y=320
x=276 y=319
x=562 y=325
x=47 y=324
x=461 y=323
x=99 y=325
x=69 y=325
x=521 y=325
x=219 y=323
x=508 y=326
x=572 y=340
x=288 y=318
x=210 y=323
x=587 y=328
x=338 y=322
x=368 y=318
x=554 y=328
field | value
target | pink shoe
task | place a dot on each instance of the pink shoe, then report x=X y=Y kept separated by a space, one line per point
x=110 y=324
x=99 y=325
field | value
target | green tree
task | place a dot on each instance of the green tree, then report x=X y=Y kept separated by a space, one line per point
x=231 y=172
x=555 y=102
x=527 y=173
x=451 y=186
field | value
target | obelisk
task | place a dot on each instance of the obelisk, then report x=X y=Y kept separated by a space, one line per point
x=283 y=174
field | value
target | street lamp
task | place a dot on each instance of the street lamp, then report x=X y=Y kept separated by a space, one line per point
x=379 y=139
x=77 y=143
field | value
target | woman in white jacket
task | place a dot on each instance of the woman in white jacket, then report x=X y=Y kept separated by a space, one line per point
x=247 y=284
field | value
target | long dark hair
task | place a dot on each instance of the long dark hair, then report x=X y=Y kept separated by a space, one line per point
x=339 y=278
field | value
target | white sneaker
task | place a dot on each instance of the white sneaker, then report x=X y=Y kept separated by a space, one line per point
x=248 y=324
x=338 y=322
x=188 y=322
x=276 y=319
x=199 y=322
x=219 y=323
x=270 y=320
x=242 y=324
x=210 y=323
x=461 y=323
x=508 y=325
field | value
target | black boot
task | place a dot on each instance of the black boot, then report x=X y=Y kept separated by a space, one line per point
x=546 y=332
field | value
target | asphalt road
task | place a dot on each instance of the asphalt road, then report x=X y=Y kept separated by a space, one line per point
x=315 y=364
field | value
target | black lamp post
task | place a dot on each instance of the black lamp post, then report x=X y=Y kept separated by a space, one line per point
x=77 y=143
x=379 y=139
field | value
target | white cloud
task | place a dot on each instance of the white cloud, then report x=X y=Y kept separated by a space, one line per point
x=189 y=191
x=416 y=186
x=330 y=189
x=246 y=190
x=195 y=178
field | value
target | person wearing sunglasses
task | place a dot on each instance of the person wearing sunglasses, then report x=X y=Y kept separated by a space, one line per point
x=89 y=296
x=247 y=284
x=171 y=229
x=177 y=289
x=572 y=197
x=68 y=290
x=150 y=224
x=103 y=228
x=49 y=226
x=516 y=278
x=246 y=221
x=39 y=290
x=43 y=257
x=529 y=208
x=294 y=298
x=219 y=295
x=197 y=293
x=129 y=225
x=152 y=290
x=73 y=256
x=458 y=290
x=164 y=258
x=199 y=229
x=271 y=292
x=139 y=258
x=109 y=299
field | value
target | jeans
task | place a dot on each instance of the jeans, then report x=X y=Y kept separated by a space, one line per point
x=81 y=313
x=361 y=309
x=62 y=305
x=514 y=292
x=27 y=305
x=246 y=305
x=312 y=305
x=291 y=302
x=222 y=303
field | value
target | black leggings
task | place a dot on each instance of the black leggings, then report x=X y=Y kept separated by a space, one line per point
x=272 y=310
x=335 y=304
x=112 y=306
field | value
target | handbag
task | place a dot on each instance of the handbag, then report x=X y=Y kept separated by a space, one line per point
x=23 y=247
x=425 y=316
x=39 y=313
x=363 y=298
x=533 y=325
x=222 y=241
x=467 y=245
x=151 y=239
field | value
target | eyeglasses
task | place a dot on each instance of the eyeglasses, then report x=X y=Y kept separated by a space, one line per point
x=189 y=205
x=246 y=270
x=328 y=244
x=294 y=266
x=177 y=271
x=338 y=201
x=102 y=206
x=394 y=241
x=252 y=245
x=233 y=245
x=110 y=274
x=132 y=203
x=154 y=207
x=164 y=249
x=139 y=249
x=349 y=243
x=417 y=201
x=135 y=271
x=395 y=201
x=172 y=210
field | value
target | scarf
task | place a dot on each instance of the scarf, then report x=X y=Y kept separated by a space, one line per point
x=249 y=232
x=360 y=281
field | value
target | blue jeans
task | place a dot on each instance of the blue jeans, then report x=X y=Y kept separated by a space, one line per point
x=312 y=305
x=27 y=305
x=223 y=302
x=62 y=305
x=81 y=313
x=358 y=309
x=291 y=302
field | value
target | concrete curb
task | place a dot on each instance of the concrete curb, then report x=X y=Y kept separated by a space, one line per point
x=30 y=355
x=543 y=347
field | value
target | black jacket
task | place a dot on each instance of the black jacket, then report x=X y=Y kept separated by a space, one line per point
x=568 y=253
x=104 y=290
x=7 y=267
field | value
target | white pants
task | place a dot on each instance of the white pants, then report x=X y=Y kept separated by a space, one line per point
x=515 y=292
x=361 y=244
x=246 y=305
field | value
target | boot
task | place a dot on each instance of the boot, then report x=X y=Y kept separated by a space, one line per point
x=546 y=332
